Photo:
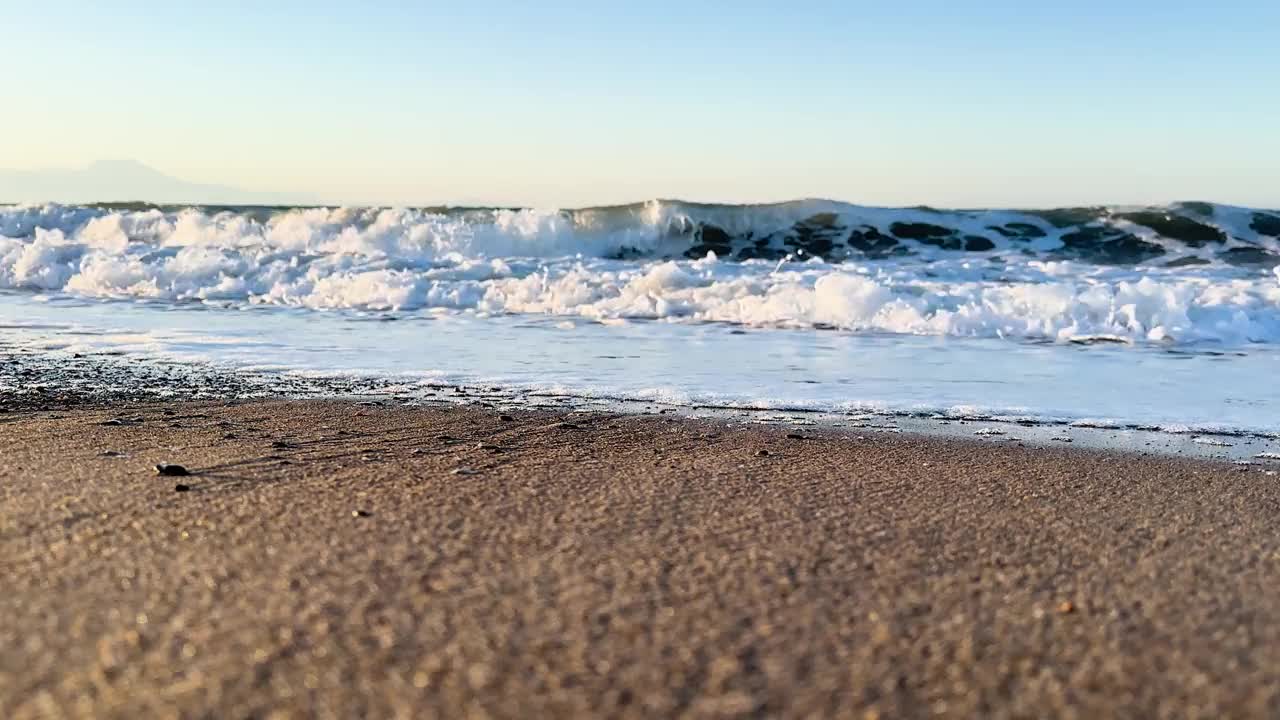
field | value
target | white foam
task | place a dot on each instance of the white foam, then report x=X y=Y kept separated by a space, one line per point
x=549 y=262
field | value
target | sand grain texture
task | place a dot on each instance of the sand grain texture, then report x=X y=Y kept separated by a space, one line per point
x=328 y=561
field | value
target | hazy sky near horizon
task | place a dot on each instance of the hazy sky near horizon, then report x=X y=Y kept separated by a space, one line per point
x=578 y=103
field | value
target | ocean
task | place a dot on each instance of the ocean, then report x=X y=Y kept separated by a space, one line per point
x=1164 y=319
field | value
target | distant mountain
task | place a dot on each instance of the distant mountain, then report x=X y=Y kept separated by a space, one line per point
x=125 y=181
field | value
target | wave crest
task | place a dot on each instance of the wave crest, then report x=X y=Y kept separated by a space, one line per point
x=1183 y=233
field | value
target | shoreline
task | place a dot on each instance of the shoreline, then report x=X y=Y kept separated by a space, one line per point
x=356 y=558
x=33 y=380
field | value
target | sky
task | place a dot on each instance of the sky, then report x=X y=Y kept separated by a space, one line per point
x=957 y=104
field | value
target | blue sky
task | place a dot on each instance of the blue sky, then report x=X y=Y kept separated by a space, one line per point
x=575 y=103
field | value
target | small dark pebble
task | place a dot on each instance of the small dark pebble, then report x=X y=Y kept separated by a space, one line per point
x=568 y=426
x=229 y=436
x=282 y=445
x=181 y=487
x=172 y=470
x=762 y=453
x=170 y=412
x=360 y=513
x=506 y=418
x=447 y=438
x=794 y=436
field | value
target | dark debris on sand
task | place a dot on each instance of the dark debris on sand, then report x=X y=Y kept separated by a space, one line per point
x=171 y=470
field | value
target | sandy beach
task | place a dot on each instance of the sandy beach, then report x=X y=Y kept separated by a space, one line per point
x=334 y=559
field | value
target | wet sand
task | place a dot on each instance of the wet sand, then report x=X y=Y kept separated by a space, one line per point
x=333 y=559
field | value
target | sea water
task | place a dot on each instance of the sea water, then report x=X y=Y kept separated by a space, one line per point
x=1163 y=318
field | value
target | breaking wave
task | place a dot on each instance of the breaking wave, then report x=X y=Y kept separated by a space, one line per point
x=1188 y=272
x=1186 y=233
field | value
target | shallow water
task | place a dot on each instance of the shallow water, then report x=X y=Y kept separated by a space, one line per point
x=689 y=364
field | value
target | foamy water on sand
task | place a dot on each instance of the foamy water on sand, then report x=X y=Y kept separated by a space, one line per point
x=1155 y=317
